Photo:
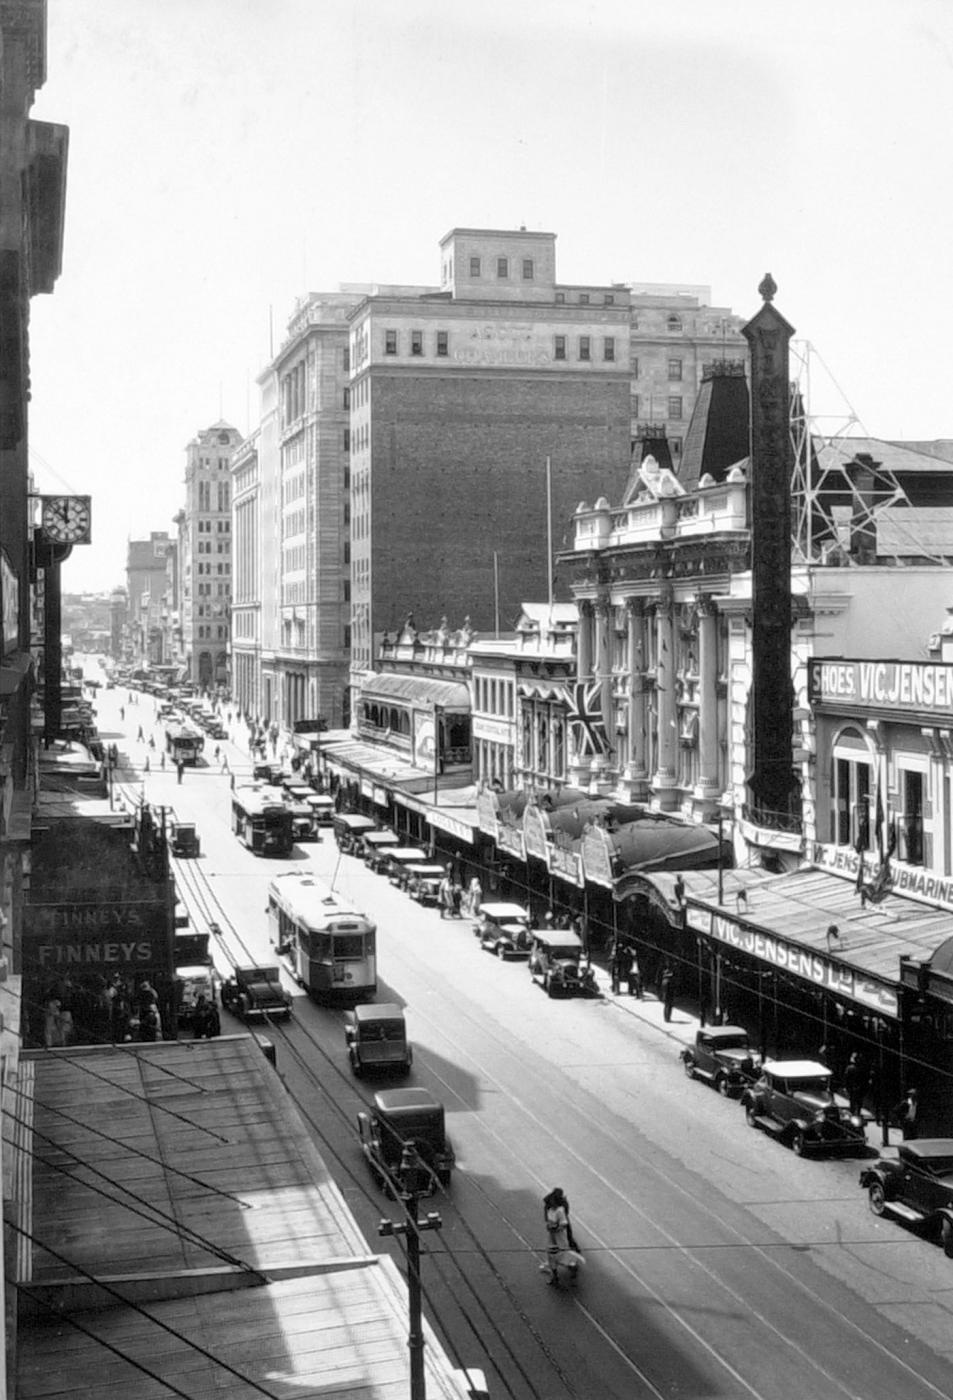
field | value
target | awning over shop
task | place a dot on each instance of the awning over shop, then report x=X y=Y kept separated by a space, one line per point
x=420 y=690
x=383 y=765
x=652 y=841
x=812 y=924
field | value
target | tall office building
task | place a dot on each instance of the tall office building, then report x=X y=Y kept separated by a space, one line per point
x=205 y=555
x=460 y=395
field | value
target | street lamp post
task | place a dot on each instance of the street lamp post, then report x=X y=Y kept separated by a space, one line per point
x=414 y=1177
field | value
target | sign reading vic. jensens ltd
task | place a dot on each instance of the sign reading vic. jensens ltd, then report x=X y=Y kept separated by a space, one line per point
x=917 y=687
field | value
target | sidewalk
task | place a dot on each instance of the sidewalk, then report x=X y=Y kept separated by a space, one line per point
x=681 y=1030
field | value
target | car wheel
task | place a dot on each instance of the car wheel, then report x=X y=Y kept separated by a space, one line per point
x=751 y=1115
x=946 y=1236
x=723 y=1086
x=877 y=1197
x=798 y=1146
x=690 y=1068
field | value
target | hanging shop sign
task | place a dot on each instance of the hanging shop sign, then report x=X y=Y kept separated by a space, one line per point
x=598 y=856
x=10 y=596
x=509 y=833
x=80 y=938
x=424 y=740
x=805 y=963
x=380 y=796
x=453 y=825
x=535 y=833
x=912 y=881
x=914 y=687
x=367 y=789
x=487 y=806
x=566 y=863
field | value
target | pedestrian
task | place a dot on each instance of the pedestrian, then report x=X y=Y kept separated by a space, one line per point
x=162 y=759
x=475 y=896
x=152 y=741
x=856 y=1079
x=179 y=770
x=667 y=989
x=561 y=1251
x=146 y=765
x=122 y=712
x=617 y=966
x=150 y=1022
x=906 y=1113
x=446 y=895
x=140 y=736
x=634 y=975
x=224 y=764
x=218 y=753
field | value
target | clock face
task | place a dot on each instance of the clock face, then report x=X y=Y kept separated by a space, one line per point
x=66 y=519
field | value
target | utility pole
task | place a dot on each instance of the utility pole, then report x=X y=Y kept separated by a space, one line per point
x=414 y=1177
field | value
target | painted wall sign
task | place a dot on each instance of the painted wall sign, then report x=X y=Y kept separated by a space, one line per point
x=598 y=856
x=424 y=742
x=801 y=962
x=486 y=806
x=913 y=686
x=912 y=881
x=535 y=833
x=567 y=865
x=79 y=937
x=10 y=594
x=509 y=833
x=454 y=825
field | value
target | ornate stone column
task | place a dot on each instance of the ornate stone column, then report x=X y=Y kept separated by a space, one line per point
x=664 y=780
x=636 y=777
x=584 y=641
x=708 y=788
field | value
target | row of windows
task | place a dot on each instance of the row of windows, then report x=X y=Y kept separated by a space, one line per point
x=206 y=590
x=294 y=557
x=584 y=299
x=205 y=547
x=584 y=348
x=207 y=568
x=218 y=632
x=494 y=697
x=441 y=345
x=526 y=265
x=293 y=523
x=223 y=495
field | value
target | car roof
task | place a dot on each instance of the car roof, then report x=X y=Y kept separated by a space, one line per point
x=724 y=1030
x=795 y=1069
x=354 y=822
x=408 y=853
x=927 y=1147
x=562 y=937
x=258 y=970
x=378 y=1011
x=504 y=911
x=403 y=1100
x=425 y=868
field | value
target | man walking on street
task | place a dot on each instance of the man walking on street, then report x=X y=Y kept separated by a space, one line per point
x=179 y=770
x=667 y=989
x=855 y=1082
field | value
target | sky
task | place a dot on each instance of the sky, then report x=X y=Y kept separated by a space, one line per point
x=228 y=156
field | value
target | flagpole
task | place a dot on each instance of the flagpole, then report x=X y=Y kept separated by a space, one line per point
x=496 y=594
x=549 y=533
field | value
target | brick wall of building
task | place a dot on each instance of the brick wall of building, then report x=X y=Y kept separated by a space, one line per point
x=459 y=470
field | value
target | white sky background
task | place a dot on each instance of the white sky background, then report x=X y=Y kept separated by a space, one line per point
x=227 y=156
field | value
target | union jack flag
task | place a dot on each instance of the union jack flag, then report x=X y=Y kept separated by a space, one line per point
x=587 y=719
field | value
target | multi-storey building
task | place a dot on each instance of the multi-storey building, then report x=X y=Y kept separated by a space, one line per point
x=291 y=525
x=246 y=576
x=205 y=554
x=146 y=586
x=675 y=332
x=460 y=395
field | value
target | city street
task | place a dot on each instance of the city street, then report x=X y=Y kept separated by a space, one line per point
x=717 y=1263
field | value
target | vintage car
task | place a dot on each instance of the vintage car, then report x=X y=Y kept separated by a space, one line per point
x=184 y=839
x=503 y=929
x=399 y=1117
x=376 y=1036
x=792 y=1100
x=263 y=772
x=349 y=827
x=192 y=982
x=917 y=1188
x=422 y=881
x=256 y=991
x=723 y=1056
x=302 y=821
x=322 y=808
x=396 y=860
x=375 y=846
x=557 y=962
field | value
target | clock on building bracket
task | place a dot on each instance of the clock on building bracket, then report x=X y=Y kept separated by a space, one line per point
x=66 y=519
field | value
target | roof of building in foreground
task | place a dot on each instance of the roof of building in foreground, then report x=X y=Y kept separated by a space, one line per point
x=180 y=1227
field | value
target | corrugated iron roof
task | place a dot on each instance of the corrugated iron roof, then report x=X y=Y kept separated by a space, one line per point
x=425 y=690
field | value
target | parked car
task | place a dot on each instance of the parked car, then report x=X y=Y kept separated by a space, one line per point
x=349 y=827
x=199 y=980
x=723 y=1056
x=422 y=881
x=256 y=991
x=396 y=1118
x=376 y=1036
x=917 y=1188
x=266 y=772
x=793 y=1101
x=397 y=858
x=322 y=807
x=375 y=846
x=504 y=929
x=556 y=963
x=217 y=730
